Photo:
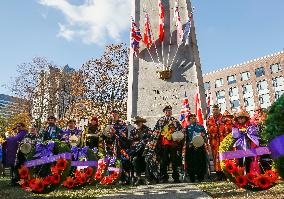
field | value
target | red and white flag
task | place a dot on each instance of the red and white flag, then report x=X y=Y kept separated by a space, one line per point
x=198 y=110
x=178 y=24
x=147 y=39
x=161 y=21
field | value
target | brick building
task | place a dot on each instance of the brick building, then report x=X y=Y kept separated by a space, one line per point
x=255 y=82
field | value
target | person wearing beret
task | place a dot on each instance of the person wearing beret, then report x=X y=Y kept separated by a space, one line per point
x=195 y=156
x=169 y=150
x=52 y=131
x=139 y=137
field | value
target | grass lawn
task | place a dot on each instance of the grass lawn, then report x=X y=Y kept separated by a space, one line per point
x=230 y=190
x=7 y=191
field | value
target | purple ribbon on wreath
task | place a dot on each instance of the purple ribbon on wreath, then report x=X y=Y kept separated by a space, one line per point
x=79 y=152
x=251 y=133
x=44 y=150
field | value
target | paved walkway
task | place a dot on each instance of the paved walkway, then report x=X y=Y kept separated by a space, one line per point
x=161 y=191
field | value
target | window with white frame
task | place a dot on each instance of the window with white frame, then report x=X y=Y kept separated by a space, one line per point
x=278 y=94
x=207 y=85
x=235 y=104
x=220 y=94
x=222 y=107
x=262 y=85
x=245 y=76
x=259 y=72
x=278 y=81
x=219 y=83
x=264 y=99
x=233 y=92
x=249 y=101
x=275 y=68
x=231 y=79
x=247 y=89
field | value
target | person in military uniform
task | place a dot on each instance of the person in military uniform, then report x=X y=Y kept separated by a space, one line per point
x=195 y=155
x=52 y=131
x=169 y=150
x=92 y=136
x=139 y=137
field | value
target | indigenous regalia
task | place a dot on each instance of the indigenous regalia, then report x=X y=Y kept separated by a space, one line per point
x=138 y=139
x=52 y=132
x=195 y=156
x=217 y=131
x=71 y=132
x=117 y=144
x=169 y=151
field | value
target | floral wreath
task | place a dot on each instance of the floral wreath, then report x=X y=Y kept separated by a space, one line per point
x=108 y=172
x=255 y=181
x=51 y=158
x=83 y=168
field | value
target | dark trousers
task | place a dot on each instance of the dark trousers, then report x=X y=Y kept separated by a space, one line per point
x=92 y=142
x=169 y=154
x=139 y=164
x=196 y=162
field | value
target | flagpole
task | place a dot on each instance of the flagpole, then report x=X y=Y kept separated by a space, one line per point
x=174 y=56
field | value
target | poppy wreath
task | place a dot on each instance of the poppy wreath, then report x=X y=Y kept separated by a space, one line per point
x=253 y=180
x=47 y=166
x=108 y=172
x=83 y=169
x=273 y=134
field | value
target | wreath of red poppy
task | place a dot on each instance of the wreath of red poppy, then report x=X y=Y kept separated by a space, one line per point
x=105 y=174
x=36 y=184
x=256 y=179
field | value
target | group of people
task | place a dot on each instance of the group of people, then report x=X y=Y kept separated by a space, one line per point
x=143 y=150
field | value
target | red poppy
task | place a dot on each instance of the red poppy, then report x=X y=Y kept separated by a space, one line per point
x=241 y=181
x=230 y=166
x=24 y=172
x=32 y=183
x=38 y=185
x=98 y=176
x=54 y=170
x=69 y=182
x=89 y=171
x=78 y=173
x=83 y=179
x=239 y=171
x=24 y=184
x=115 y=175
x=56 y=178
x=273 y=176
x=262 y=181
x=48 y=180
x=251 y=177
x=77 y=181
x=61 y=164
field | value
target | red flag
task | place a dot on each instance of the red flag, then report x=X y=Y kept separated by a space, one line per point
x=147 y=34
x=177 y=18
x=198 y=110
x=161 y=21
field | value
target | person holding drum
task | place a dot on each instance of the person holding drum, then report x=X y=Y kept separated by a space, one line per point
x=169 y=150
x=195 y=155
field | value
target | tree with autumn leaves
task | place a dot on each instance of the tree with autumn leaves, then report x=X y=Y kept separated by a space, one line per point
x=97 y=87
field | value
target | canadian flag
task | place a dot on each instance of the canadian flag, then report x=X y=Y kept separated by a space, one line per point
x=198 y=110
x=147 y=32
x=161 y=21
x=177 y=18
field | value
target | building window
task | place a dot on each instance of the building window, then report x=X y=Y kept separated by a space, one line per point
x=219 y=83
x=235 y=104
x=207 y=85
x=233 y=92
x=262 y=85
x=220 y=94
x=259 y=72
x=278 y=94
x=247 y=89
x=222 y=107
x=231 y=79
x=264 y=99
x=245 y=76
x=278 y=81
x=275 y=67
x=249 y=101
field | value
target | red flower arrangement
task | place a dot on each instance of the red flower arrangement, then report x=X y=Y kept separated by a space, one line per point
x=251 y=177
x=48 y=180
x=56 y=178
x=262 y=181
x=241 y=181
x=61 y=164
x=273 y=176
x=69 y=183
x=37 y=185
x=24 y=172
x=230 y=166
